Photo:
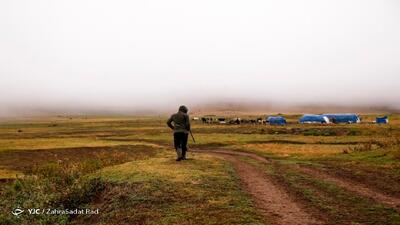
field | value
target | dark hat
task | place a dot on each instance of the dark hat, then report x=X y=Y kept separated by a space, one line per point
x=183 y=109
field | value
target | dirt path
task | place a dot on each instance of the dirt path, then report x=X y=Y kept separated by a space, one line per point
x=271 y=200
x=276 y=204
x=357 y=188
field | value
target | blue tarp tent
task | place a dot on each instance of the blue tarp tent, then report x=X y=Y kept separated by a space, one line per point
x=343 y=118
x=309 y=118
x=276 y=120
x=382 y=120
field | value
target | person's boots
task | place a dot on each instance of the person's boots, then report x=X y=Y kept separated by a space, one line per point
x=179 y=154
x=184 y=155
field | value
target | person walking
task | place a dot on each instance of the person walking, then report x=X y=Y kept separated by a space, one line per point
x=180 y=124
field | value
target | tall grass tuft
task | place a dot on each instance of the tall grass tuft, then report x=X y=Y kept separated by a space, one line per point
x=51 y=186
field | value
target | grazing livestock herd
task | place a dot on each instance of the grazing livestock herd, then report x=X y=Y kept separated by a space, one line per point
x=346 y=118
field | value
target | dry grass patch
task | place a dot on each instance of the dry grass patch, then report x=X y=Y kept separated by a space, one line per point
x=6 y=174
x=295 y=149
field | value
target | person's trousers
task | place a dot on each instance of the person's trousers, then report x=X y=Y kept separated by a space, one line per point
x=180 y=143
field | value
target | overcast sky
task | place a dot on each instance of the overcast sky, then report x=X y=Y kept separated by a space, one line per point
x=117 y=54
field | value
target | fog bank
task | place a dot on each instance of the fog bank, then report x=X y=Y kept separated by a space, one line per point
x=124 y=56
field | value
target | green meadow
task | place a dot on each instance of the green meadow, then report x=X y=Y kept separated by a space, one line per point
x=126 y=168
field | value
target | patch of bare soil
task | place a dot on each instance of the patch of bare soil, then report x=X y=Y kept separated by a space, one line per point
x=25 y=160
x=384 y=180
x=360 y=189
x=271 y=200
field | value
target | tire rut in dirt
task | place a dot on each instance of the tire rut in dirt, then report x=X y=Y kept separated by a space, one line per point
x=354 y=187
x=272 y=201
x=359 y=189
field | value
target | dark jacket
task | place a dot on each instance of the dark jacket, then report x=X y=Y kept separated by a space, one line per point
x=179 y=122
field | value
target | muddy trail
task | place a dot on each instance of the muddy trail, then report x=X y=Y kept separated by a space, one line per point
x=276 y=204
x=272 y=201
x=357 y=188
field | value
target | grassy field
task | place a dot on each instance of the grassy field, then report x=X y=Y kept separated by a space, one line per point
x=125 y=167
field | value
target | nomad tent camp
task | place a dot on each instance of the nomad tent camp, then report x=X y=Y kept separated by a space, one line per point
x=343 y=118
x=309 y=118
x=276 y=120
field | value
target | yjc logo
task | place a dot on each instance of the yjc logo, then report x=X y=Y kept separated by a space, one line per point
x=17 y=212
